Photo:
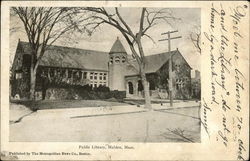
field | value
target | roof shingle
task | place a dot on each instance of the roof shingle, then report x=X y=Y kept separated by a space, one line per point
x=59 y=56
x=66 y=57
x=117 y=47
x=153 y=62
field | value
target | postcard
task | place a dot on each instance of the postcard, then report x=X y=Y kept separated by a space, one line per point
x=125 y=80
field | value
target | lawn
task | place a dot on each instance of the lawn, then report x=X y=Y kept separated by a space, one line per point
x=57 y=104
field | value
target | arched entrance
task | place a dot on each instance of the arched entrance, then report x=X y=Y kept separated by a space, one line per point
x=130 y=88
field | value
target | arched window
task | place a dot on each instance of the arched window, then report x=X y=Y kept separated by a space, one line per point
x=117 y=59
x=111 y=60
x=130 y=88
x=123 y=59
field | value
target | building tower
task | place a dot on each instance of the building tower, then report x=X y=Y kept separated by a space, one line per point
x=117 y=66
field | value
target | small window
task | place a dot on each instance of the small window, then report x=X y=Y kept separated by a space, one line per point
x=91 y=75
x=123 y=59
x=19 y=75
x=85 y=75
x=75 y=74
x=80 y=74
x=69 y=74
x=95 y=77
x=117 y=59
x=100 y=77
x=111 y=60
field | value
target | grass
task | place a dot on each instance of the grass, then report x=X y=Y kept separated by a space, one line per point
x=57 y=104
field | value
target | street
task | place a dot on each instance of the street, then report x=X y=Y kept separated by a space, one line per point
x=117 y=124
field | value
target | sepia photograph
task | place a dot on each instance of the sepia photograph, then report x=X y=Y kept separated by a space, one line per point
x=124 y=80
x=87 y=74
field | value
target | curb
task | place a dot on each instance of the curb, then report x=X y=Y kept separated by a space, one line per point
x=108 y=114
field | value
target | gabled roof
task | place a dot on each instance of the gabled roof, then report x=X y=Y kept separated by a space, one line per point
x=153 y=62
x=59 y=56
x=117 y=47
x=66 y=57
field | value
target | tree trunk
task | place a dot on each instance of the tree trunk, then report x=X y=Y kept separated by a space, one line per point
x=146 y=91
x=44 y=88
x=32 y=83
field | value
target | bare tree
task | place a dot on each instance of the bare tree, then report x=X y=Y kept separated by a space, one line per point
x=43 y=26
x=195 y=37
x=147 y=19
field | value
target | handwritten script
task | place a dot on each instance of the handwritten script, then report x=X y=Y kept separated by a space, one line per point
x=227 y=79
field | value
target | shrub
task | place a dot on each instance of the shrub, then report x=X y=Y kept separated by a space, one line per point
x=66 y=91
x=102 y=88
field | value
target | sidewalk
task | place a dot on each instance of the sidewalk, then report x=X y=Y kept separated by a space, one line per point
x=158 y=100
x=90 y=111
x=179 y=104
x=18 y=112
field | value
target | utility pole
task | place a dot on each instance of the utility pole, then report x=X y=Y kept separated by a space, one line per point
x=170 y=80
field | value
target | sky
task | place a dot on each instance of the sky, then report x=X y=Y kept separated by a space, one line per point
x=104 y=37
